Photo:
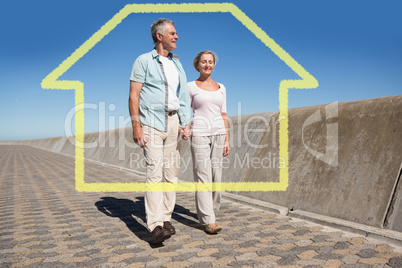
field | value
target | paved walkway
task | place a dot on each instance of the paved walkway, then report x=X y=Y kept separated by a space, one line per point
x=45 y=222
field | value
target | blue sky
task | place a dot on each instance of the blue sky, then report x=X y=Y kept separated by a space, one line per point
x=353 y=49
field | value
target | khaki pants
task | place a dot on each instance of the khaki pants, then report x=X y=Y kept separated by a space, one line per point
x=207 y=153
x=163 y=162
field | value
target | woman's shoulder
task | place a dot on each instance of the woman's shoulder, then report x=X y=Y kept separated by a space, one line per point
x=192 y=87
x=191 y=84
x=222 y=87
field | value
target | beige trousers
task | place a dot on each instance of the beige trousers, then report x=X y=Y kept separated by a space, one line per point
x=163 y=160
x=207 y=153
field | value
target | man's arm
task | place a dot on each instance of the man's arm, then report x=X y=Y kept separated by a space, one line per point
x=138 y=134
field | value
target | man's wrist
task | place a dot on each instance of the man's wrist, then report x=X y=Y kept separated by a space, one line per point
x=136 y=124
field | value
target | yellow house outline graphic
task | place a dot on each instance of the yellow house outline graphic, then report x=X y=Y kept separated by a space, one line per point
x=307 y=81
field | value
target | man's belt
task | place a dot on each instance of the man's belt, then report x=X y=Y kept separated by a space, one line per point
x=173 y=112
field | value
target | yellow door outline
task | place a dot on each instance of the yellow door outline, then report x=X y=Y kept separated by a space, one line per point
x=307 y=81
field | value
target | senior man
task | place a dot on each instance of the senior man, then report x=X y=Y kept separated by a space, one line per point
x=159 y=106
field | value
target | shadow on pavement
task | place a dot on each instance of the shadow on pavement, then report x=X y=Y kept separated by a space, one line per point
x=125 y=209
x=182 y=215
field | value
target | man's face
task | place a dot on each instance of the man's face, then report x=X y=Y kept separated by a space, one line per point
x=169 y=39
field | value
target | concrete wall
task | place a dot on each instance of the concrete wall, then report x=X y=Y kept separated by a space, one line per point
x=344 y=159
x=361 y=144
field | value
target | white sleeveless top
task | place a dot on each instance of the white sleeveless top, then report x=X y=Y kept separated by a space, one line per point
x=208 y=107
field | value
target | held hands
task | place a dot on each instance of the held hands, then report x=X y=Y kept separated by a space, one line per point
x=185 y=132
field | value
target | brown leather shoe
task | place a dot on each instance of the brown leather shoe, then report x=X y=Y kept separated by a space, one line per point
x=168 y=226
x=160 y=234
x=213 y=228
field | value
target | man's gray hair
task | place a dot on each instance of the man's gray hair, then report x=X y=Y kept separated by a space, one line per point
x=159 y=26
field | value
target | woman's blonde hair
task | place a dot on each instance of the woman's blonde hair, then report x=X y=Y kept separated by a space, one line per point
x=197 y=58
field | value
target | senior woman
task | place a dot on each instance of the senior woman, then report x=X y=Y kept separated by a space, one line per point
x=210 y=136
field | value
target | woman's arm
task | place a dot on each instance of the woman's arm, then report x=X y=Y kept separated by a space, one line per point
x=226 y=149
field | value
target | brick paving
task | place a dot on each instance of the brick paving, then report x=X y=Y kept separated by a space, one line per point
x=45 y=222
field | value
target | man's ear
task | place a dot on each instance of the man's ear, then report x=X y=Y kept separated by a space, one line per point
x=159 y=37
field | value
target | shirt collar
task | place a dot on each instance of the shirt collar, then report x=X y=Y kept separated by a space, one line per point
x=156 y=55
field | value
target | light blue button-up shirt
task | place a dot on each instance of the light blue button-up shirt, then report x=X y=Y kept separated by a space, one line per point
x=148 y=70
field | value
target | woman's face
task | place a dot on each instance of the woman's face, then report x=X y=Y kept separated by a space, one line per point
x=206 y=64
